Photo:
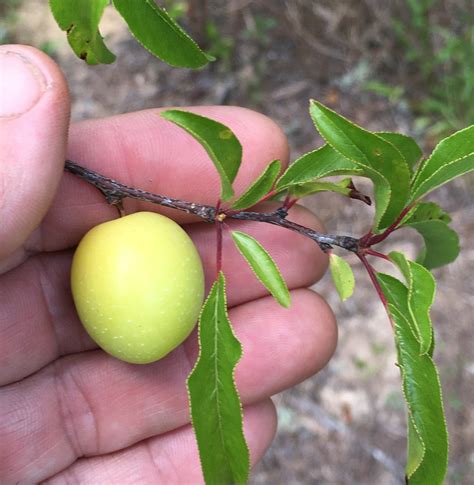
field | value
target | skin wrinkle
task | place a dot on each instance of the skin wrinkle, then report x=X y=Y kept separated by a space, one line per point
x=31 y=468
x=3 y=188
x=40 y=273
x=71 y=477
x=31 y=247
x=24 y=411
x=64 y=396
x=68 y=477
x=57 y=317
x=47 y=304
x=89 y=412
x=34 y=244
x=12 y=420
x=168 y=464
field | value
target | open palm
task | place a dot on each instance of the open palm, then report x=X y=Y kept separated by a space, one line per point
x=68 y=411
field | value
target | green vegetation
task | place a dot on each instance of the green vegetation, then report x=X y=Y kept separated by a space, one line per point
x=440 y=65
x=439 y=62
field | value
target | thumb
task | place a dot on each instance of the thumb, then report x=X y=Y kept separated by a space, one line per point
x=34 y=120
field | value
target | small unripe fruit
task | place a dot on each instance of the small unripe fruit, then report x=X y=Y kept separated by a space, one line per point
x=138 y=286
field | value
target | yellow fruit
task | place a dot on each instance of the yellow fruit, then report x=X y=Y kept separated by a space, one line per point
x=138 y=285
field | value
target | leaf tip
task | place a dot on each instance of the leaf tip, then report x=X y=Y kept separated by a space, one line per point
x=285 y=301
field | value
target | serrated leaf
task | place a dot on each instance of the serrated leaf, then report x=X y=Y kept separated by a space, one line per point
x=427 y=211
x=421 y=290
x=401 y=297
x=216 y=411
x=452 y=157
x=259 y=188
x=406 y=145
x=423 y=394
x=342 y=276
x=80 y=19
x=263 y=266
x=428 y=437
x=441 y=243
x=323 y=162
x=217 y=139
x=155 y=30
x=379 y=160
x=415 y=448
x=342 y=187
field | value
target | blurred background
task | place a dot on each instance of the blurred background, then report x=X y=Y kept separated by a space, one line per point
x=399 y=65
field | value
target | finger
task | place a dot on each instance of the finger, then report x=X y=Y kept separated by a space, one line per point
x=34 y=117
x=38 y=322
x=91 y=404
x=145 y=151
x=170 y=458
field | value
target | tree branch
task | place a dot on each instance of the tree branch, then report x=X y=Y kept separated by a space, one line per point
x=115 y=192
x=276 y=218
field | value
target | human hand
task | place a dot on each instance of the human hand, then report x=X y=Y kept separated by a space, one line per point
x=68 y=411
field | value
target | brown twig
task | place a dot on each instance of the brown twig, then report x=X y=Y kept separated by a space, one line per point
x=115 y=192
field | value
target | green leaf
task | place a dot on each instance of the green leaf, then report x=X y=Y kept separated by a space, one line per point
x=415 y=448
x=406 y=145
x=259 y=188
x=427 y=434
x=219 y=142
x=323 y=162
x=80 y=19
x=342 y=276
x=160 y=34
x=441 y=243
x=426 y=211
x=343 y=187
x=263 y=266
x=421 y=290
x=452 y=157
x=379 y=160
x=401 y=297
x=216 y=411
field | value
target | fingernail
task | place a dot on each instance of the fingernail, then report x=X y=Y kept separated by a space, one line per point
x=21 y=84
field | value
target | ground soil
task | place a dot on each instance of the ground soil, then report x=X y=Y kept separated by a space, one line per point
x=347 y=424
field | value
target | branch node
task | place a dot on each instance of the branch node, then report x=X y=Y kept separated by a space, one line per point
x=282 y=212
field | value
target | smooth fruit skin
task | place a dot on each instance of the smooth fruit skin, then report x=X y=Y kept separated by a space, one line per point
x=138 y=286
